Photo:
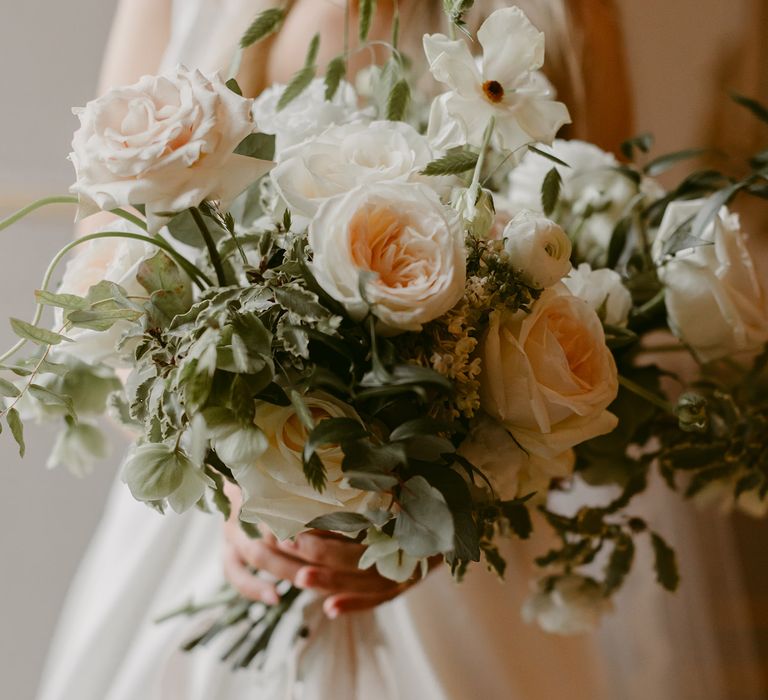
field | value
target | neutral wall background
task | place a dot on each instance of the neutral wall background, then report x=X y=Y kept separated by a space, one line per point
x=50 y=54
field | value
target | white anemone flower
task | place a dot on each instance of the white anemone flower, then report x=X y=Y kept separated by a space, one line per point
x=506 y=85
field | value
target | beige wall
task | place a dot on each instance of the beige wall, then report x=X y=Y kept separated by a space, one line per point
x=49 y=53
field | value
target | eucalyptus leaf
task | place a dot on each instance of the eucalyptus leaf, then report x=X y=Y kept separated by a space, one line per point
x=550 y=191
x=424 y=526
x=17 y=429
x=41 y=336
x=62 y=301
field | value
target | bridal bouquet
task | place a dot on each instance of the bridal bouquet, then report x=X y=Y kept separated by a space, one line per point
x=407 y=321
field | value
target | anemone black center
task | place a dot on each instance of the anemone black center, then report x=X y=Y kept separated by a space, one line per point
x=493 y=90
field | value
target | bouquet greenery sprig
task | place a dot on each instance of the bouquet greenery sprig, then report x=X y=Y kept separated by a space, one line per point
x=402 y=320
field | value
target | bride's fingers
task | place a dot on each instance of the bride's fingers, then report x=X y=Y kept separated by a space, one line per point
x=342 y=603
x=245 y=582
x=260 y=555
x=329 y=580
x=333 y=552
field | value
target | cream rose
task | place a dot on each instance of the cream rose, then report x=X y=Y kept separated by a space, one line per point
x=574 y=605
x=538 y=249
x=165 y=142
x=275 y=490
x=511 y=471
x=548 y=375
x=308 y=115
x=343 y=157
x=400 y=243
x=715 y=300
x=603 y=290
x=114 y=260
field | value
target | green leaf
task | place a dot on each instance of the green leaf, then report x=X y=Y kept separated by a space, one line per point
x=454 y=162
x=52 y=398
x=398 y=99
x=314 y=48
x=220 y=499
x=757 y=108
x=233 y=85
x=154 y=471
x=334 y=73
x=332 y=431
x=8 y=389
x=418 y=427
x=314 y=471
x=618 y=241
x=300 y=301
x=63 y=301
x=666 y=563
x=494 y=560
x=619 y=563
x=17 y=429
x=340 y=522
x=643 y=143
x=41 y=336
x=370 y=481
x=663 y=163
x=261 y=146
x=266 y=23
x=550 y=191
x=101 y=320
x=302 y=410
x=424 y=526
x=298 y=83
x=712 y=206
x=548 y=156
x=367 y=10
x=519 y=518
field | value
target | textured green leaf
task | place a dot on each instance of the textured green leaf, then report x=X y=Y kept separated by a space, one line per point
x=663 y=163
x=424 y=526
x=619 y=563
x=398 y=99
x=454 y=162
x=334 y=74
x=367 y=9
x=41 y=336
x=757 y=108
x=233 y=85
x=266 y=23
x=261 y=146
x=52 y=398
x=550 y=191
x=666 y=563
x=549 y=156
x=340 y=522
x=8 y=389
x=63 y=301
x=17 y=429
x=298 y=83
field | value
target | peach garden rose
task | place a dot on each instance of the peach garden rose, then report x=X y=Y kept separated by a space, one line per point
x=398 y=242
x=548 y=375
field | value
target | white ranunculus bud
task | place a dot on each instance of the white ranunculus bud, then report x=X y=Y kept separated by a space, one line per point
x=167 y=142
x=573 y=605
x=715 y=300
x=538 y=249
x=477 y=212
x=603 y=290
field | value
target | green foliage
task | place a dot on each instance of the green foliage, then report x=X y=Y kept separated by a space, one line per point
x=424 y=524
x=266 y=23
x=334 y=73
x=666 y=563
x=261 y=146
x=41 y=336
x=303 y=77
x=366 y=10
x=550 y=191
x=397 y=102
x=454 y=162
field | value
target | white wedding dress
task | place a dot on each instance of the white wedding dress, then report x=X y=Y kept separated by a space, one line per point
x=440 y=641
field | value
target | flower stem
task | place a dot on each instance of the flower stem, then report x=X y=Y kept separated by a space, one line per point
x=649 y=396
x=45 y=201
x=475 y=185
x=212 y=251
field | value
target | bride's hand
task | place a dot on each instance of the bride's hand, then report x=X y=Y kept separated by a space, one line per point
x=316 y=560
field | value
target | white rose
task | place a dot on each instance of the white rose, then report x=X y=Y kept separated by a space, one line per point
x=603 y=290
x=538 y=249
x=512 y=472
x=548 y=375
x=343 y=157
x=165 y=142
x=573 y=606
x=590 y=184
x=114 y=260
x=715 y=301
x=398 y=241
x=308 y=115
x=275 y=490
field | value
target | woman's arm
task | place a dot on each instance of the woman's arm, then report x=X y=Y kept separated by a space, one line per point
x=138 y=38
